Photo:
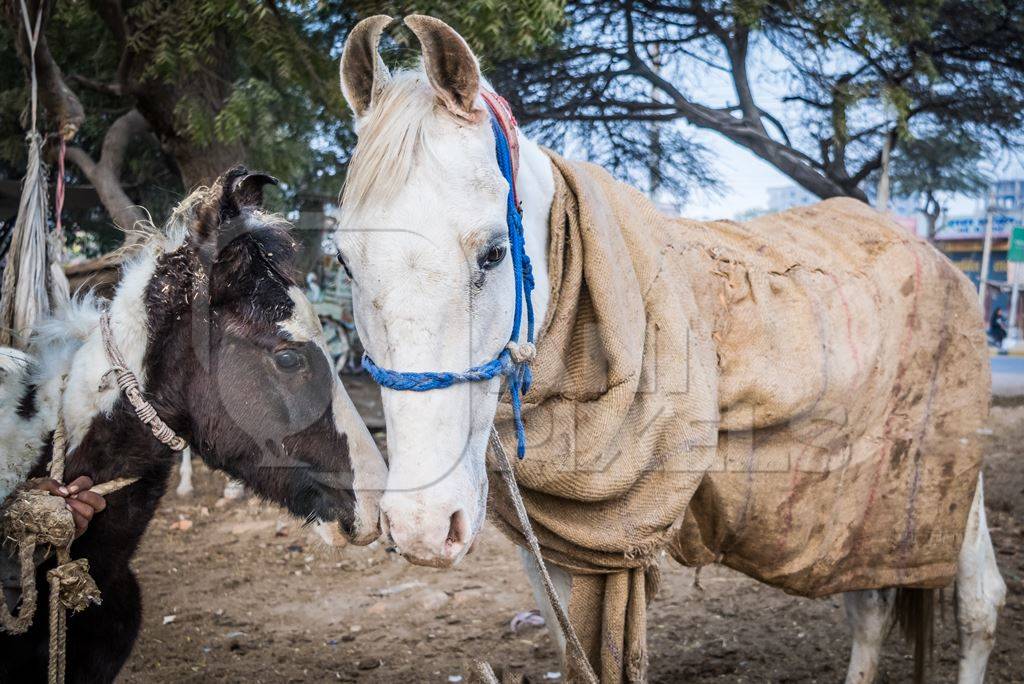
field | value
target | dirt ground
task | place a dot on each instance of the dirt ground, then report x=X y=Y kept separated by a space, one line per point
x=247 y=594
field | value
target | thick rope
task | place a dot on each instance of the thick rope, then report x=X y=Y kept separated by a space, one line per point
x=33 y=40
x=35 y=518
x=60 y=439
x=58 y=637
x=129 y=384
x=60 y=289
x=484 y=673
x=19 y=624
x=574 y=649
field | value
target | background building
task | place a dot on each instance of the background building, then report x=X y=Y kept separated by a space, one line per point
x=961 y=238
x=788 y=196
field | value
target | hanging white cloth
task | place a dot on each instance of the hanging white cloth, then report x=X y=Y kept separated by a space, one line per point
x=33 y=274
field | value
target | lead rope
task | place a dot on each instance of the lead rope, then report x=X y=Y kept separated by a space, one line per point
x=35 y=518
x=574 y=649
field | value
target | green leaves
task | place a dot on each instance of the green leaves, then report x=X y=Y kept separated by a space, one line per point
x=942 y=160
x=495 y=29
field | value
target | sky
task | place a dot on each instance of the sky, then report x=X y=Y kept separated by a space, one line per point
x=746 y=178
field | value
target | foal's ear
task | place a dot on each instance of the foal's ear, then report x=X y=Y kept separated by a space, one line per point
x=451 y=66
x=236 y=190
x=363 y=72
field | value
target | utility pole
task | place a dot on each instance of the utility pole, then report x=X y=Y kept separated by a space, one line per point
x=1014 y=267
x=986 y=252
x=882 y=201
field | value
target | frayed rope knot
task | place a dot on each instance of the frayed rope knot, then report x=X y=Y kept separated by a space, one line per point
x=33 y=517
x=522 y=352
x=71 y=588
x=37 y=514
x=76 y=589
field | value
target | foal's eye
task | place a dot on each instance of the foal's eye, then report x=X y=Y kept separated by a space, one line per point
x=288 y=360
x=494 y=256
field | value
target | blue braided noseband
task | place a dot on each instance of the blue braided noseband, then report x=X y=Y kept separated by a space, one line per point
x=512 y=362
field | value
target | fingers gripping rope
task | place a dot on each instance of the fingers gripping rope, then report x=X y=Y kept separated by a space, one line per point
x=34 y=518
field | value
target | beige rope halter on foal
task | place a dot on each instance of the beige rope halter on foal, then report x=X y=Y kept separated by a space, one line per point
x=129 y=384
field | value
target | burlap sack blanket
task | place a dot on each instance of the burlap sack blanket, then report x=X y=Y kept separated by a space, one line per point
x=797 y=397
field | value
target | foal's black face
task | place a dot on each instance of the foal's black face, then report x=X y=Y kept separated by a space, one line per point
x=263 y=401
x=264 y=414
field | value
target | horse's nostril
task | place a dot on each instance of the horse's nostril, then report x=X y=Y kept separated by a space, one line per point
x=458 y=533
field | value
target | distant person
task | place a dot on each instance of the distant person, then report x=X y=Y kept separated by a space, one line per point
x=996 y=329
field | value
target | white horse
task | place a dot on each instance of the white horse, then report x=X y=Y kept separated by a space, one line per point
x=423 y=233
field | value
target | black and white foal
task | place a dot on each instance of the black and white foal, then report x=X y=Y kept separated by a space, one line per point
x=230 y=353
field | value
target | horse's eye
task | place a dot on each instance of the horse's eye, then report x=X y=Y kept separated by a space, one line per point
x=494 y=256
x=288 y=360
x=341 y=260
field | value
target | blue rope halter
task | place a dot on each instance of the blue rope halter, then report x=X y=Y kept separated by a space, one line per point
x=512 y=362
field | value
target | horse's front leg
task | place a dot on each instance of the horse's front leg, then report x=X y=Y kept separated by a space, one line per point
x=563 y=583
x=870 y=614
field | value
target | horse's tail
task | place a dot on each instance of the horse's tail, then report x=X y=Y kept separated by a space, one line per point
x=915 y=614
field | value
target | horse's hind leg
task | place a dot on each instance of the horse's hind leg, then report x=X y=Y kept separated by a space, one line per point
x=870 y=614
x=980 y=594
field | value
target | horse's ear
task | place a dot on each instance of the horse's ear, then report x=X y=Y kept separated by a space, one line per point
x=234 y=191
x=363 y=72
x=451 y=66
x=248 y=190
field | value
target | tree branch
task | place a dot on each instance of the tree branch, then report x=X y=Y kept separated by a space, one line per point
x=105 y=175
x=795 y=164
x=736 y=48
x=97 y=86
x=875 y=162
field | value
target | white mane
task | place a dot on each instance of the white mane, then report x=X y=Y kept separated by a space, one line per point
x=68 y=345
x=392 y=135
x=57 y=339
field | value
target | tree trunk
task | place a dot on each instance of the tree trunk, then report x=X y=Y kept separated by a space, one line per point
x=932 y=211
x=201 y=166
x=309 y=231
x=105 y=175
x=932 y=220
x=54 y=95
x=210 y=87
